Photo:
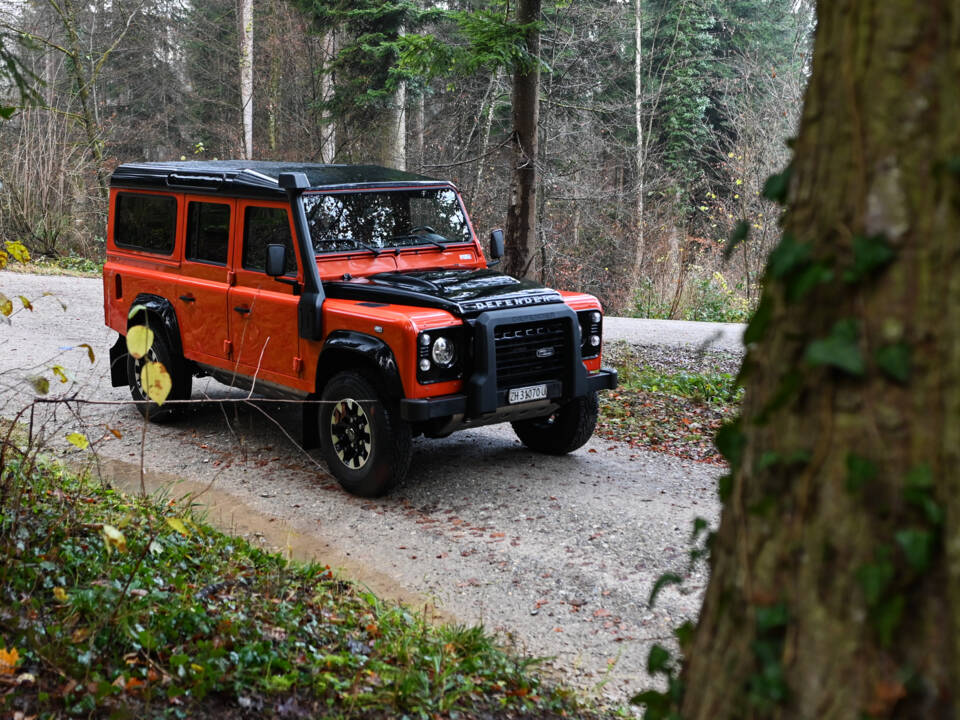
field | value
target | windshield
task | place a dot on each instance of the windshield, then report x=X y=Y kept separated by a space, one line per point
x=378 y=220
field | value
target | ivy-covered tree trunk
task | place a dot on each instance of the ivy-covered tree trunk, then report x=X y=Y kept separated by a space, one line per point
x=835 y=587
x=521 y=231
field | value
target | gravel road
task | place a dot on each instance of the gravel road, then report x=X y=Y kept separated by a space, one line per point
x=557 y=554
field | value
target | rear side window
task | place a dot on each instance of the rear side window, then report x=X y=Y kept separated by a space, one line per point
x=208 y=232
x=264 y=226
x=145 y=222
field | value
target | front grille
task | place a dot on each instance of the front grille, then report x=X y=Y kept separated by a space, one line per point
x=531 y=353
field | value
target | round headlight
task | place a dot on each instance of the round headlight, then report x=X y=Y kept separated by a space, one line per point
x=443 y=352
x=595 y=317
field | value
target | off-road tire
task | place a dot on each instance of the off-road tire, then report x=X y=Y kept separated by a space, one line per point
x=562 y=432
x=366 y=446
x=181 y=381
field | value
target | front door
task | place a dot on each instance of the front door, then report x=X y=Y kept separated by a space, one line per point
x=264 y=332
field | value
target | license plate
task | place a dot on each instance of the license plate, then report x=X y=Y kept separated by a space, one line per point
x=526 y=394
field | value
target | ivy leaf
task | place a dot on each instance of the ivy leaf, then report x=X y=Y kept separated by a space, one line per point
x=78 y=440
x=777 y=185
x=731 y=442
x=886 y=619
x=658 y=659
x=139 y=341
x=156 y=380
x=26 y=303
x=860 y=471
x=896 y=361
x=759 y=322
x=788 y=256
x=662 y=582
x=772 y=617
x=840 y=349
x=60 y=372
x=875 y=577
x=917 y=546
x=739 y=235
x=6 y=305
x=870 y=254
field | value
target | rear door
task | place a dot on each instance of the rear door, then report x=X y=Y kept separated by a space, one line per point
x=263 y=310
x=201 y=299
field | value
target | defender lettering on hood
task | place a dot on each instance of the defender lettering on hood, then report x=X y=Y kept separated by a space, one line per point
x=462 y=292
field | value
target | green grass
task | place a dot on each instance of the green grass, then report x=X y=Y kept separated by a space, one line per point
x=177 y=619
x=711 y=387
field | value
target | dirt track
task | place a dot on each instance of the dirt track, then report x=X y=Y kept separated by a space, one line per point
x=558 y=554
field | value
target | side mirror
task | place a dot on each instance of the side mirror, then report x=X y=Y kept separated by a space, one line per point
x=276 y=260
x=496 y=247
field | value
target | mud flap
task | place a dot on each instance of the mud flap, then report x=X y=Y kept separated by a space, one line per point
x=118 y=363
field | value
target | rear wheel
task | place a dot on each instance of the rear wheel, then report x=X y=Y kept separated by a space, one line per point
x=181 y=380
x=365 y=443
x=562 y=432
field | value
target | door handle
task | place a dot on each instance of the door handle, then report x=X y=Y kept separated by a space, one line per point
x=188 y=298
x=242 y=309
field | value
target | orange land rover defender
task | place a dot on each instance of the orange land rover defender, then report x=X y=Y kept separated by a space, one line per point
x=360 y=287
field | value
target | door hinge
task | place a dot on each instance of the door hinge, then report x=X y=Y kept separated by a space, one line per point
x=227 y=348
x=298 y=365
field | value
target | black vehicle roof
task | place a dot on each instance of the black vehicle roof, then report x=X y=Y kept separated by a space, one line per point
x=255 y=177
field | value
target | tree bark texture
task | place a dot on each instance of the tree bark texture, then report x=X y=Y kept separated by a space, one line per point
x=638 y=118
x=246 y=75
x=835 y=586
x=521 y=231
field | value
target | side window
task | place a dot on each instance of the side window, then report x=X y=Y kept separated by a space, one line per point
x=208 y=232
x=264 y=226
x=145 y=222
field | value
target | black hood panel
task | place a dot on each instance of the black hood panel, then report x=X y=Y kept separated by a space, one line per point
x=462 y=292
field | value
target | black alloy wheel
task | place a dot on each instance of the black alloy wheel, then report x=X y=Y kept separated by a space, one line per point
x=364 y=442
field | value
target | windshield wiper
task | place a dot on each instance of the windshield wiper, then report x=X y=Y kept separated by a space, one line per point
x=375 y=250
x=417 y=236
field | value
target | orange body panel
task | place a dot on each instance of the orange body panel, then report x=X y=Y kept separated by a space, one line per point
x=245 y=321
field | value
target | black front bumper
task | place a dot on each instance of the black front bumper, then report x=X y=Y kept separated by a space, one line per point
x=423 y=409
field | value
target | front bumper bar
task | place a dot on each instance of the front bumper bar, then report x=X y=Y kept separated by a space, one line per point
x=422 y=409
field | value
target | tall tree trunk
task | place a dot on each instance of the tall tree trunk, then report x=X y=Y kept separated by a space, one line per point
x=486 y=108
x=398 y=128
x=246 y=75
x=521 y=231
x=640 y=248
x=835 y=585
x=421 y=126
x=328 y=127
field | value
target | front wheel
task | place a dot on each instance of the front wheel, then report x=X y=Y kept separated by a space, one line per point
x=365 y=443
x=564 y=431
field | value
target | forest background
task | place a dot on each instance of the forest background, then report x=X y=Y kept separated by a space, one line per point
x=637 y=134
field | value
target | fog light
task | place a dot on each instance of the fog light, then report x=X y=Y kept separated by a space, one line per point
x=595 y=340
x=595 y=317
x=443 y=352
x=424 y=365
